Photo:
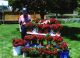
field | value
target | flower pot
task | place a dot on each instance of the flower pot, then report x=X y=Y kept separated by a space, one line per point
x=16 y=51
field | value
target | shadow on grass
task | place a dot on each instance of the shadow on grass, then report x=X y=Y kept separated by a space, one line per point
x=71 y=32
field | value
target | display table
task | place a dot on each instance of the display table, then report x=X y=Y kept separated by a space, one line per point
x=42 y=40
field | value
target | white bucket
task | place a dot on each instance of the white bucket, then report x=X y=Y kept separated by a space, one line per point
x=16 y=51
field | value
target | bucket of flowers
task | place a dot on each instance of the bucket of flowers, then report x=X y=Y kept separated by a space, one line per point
x=64 y=51
x=17 y=45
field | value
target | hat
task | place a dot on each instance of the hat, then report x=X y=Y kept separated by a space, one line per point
x=24 y=10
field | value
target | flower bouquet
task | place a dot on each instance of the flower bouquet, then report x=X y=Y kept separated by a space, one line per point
x=18 y=42
x=45 y=28
x=40 y=30
x=57 y=39
x=17 y=45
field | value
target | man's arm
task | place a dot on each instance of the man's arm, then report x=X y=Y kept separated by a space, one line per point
x=20 y=22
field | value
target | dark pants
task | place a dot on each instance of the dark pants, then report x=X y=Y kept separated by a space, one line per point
x=23 y=31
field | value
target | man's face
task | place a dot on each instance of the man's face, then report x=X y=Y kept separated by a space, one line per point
x=25 y=15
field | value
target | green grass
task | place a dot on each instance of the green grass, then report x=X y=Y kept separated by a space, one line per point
x=72 y=24
x=9 y=32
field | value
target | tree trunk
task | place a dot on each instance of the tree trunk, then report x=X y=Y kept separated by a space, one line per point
x=42 y=15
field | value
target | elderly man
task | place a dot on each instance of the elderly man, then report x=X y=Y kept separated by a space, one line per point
x=23 y=19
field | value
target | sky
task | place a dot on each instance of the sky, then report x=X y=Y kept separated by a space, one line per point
x=2 y=2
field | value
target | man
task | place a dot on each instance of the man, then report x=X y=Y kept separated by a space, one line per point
x=23 y=19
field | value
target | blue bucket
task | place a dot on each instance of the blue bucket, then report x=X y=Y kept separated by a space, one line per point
x=64 y=54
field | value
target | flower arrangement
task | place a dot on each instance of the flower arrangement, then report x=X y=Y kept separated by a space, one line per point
x=45 y=28
x=39 y=44
x=18 y=42
x=64 y=46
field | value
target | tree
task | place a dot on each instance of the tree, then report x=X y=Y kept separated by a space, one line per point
x=44 y=6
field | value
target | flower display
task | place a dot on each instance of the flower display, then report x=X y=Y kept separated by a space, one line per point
x=49 y=42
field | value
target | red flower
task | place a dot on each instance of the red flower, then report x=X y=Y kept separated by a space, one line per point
x=28 y=38
x=47 y=52
x=40 y=37
x=56 y=26
x=55 y=51
x=33 y=37
x=45 y=26
x=63 y=45
x=57 y=39
x=40 y=26
x=18 y=42
x=53 y=21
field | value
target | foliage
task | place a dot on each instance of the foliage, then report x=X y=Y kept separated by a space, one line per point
x=45 y=6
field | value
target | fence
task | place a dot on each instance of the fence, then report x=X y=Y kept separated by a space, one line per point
x=69 y=20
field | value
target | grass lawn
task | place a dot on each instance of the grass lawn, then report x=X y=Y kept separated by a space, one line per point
x=9 y=32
